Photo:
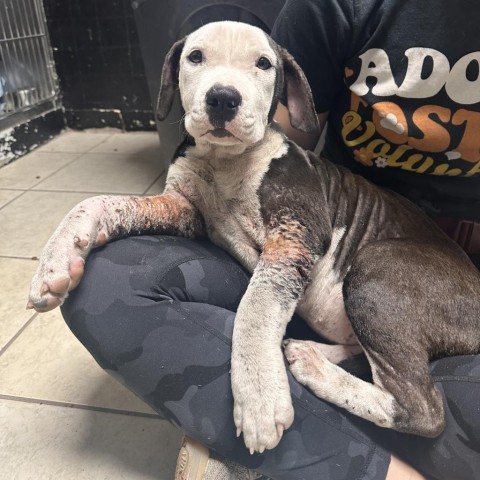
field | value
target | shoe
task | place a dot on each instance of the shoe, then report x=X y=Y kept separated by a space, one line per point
x=195 y=463
x=192 y=460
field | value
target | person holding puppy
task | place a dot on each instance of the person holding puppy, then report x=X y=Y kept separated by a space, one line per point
x=400 y=100
x=400 y=91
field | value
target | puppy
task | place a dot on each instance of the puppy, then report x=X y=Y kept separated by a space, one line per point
x=363 y=266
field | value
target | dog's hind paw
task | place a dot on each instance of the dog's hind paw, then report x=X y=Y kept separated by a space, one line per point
x=306 y=361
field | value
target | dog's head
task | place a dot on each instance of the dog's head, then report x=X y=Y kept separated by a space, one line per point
x=231 y=76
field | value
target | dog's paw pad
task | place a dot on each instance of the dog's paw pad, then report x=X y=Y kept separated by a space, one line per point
x=52 y=282
x=45 y=302
x=58 y=286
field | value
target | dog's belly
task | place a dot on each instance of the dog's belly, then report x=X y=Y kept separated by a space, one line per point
x=322 y=305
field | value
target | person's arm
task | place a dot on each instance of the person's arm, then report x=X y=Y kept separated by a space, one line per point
x=308 y=141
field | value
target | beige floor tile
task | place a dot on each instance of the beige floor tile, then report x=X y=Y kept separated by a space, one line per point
x=139 y=143
x=43 y=442
x=47 y=362
x=13 y=296
x=105 y=172
x=31 y=169
x=8 y=195
x=75 y=142
x=29 y=221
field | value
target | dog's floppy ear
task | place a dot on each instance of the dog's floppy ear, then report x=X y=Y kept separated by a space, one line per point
x=169 y=82
x=297 y=95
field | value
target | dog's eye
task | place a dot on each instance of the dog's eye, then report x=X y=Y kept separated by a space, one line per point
x=264 y=63
x=196 y=56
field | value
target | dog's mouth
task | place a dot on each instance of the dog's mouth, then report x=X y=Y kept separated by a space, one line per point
x=219 y=136
x=219 y=133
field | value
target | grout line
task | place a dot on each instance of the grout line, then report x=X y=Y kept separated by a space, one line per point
x=79 y=406
x=76 y=157
x=153 y=183
x=103 y=192
x=103 y=141
x=19 y=332
x=19 y=257
x=86 y=151
x=13 y=199
x=133 y=154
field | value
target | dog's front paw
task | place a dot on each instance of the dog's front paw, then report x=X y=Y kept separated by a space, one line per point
x=60 y=270
x=262 y=412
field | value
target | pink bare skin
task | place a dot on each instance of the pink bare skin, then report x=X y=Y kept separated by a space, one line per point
x=93 y=223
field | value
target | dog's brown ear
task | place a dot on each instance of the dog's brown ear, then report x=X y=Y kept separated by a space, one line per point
x=297 y=95
x=169 y=82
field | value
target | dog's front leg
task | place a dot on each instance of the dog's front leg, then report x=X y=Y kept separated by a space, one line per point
x=93 y=223
x=263 y=406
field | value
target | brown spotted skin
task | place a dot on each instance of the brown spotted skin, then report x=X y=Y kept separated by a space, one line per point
x=298 y=231
x=96 y=221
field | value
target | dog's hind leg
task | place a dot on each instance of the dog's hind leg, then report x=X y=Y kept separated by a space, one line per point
x=410 y=404
x=407 y=301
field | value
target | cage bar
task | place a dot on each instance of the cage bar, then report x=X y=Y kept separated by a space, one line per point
x=27 y=74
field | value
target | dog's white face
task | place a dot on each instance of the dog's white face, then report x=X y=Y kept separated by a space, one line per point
x=227 y=79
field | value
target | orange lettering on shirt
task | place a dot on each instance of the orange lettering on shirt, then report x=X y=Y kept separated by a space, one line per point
x=469 y=146
x=356 y=101
x=435 y=137
x=390 y=122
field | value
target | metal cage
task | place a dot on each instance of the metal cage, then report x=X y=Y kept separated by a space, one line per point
x=27 y=74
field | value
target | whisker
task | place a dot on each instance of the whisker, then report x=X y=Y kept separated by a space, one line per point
x=180 y=120
x=181 y=126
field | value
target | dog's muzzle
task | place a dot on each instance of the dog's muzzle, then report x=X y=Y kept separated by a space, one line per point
x=222 y=104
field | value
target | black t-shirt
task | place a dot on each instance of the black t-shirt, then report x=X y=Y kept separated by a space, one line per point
x=401 y=80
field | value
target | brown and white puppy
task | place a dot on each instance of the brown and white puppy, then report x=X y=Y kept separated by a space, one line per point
x=364 y=267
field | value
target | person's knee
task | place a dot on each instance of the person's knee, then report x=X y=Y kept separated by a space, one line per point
x=156 y=268
x=129 y=286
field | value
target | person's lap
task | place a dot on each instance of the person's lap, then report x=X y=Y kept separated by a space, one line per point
x=158 y=313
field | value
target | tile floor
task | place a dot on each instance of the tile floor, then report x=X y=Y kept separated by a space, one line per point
x=61 y=416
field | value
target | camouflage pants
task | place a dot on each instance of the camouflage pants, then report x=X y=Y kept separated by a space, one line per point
x=158 y=313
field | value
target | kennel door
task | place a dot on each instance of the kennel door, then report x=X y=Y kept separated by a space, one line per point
x=27 y=73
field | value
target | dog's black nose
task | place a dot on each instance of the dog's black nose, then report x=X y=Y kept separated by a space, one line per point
x=222 y=104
